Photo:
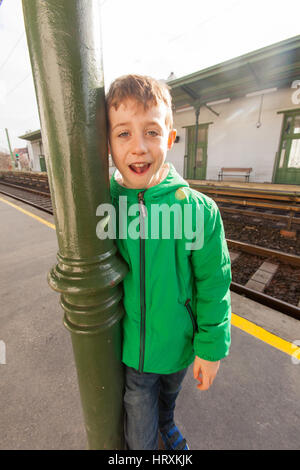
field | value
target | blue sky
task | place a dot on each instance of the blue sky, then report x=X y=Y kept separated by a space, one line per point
x=154 y=38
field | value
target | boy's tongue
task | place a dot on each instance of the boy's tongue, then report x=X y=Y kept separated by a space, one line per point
x=140 y=168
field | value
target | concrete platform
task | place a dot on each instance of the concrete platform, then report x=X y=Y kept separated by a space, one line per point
x=253 y=403
x=292 y=189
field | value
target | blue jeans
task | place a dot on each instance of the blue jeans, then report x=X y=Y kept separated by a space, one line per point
x=149 y=403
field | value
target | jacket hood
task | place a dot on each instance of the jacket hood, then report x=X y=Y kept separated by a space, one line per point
x=171 y=182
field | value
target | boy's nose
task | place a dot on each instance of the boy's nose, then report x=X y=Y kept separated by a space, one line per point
x=138 y=145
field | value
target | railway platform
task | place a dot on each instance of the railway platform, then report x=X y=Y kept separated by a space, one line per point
x=253 y=403
x=286 y=189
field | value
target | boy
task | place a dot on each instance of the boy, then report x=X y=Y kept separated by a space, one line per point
x=176 y=293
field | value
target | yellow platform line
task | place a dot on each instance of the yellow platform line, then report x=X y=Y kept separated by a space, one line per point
x=239 y=322
x=265 y=336
x=43 y=221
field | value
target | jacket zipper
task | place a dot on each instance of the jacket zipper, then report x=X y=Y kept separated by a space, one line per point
x=142 y=280
x=189 y=309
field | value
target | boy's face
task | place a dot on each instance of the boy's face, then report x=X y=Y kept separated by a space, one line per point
x=138 y=141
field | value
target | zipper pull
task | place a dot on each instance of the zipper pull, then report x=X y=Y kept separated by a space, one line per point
x=142 y=203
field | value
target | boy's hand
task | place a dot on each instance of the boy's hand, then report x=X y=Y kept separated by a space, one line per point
x=205 y=372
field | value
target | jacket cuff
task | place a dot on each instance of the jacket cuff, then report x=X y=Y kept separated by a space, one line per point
x=212 y=350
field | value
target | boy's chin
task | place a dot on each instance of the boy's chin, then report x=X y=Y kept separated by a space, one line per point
x=144 y=182
x=136 y=184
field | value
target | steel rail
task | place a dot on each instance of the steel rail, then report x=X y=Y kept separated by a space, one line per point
x=243 y=202
x=264 y=215
x=267 y=300
x=255 y=193
x=251 y=200
x=285 y=258
x=24 y=179
x=26 y=201
x=25 y=188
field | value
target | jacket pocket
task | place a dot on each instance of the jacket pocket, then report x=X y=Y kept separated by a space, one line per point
x=190 y=312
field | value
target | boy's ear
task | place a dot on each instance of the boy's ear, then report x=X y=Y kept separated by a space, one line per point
x=171 y=138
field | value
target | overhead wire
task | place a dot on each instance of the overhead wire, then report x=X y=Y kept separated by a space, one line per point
x=19 y=83
x=206 y=20
x=8 y=57
x=12 y=50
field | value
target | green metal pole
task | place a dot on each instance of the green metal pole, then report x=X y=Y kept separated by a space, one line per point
x=65 y=51
x=197 y=112
x=10 y=150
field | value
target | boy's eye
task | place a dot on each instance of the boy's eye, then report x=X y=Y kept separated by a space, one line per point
x=152 y=133
x=123 y=134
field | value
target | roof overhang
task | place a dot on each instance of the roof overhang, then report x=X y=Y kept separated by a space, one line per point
x=275 y=66
x=35 y=135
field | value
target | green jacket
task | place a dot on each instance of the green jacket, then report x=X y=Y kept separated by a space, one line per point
x=176 y=298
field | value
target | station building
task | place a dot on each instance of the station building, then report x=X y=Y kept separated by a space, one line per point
x=35 y=150
x=246 y=112
x=247 y=115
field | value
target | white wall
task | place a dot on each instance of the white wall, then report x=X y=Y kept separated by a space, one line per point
x=31 y=155
x=35 y=151
x=233 y=138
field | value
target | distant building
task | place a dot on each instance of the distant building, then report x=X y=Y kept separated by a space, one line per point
x=248 y=117
x=5 y=161
x=35 y=150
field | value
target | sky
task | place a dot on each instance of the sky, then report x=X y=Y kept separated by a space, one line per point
x=154 y=38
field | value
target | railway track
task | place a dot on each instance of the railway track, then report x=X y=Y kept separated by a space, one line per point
x=256 y=287
x=284 y=207
x=39 y=199
x=262 y=272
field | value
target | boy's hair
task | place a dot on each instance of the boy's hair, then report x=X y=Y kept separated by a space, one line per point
x=144 y=89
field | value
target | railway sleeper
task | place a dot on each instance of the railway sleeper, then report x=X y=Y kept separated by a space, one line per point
x=262 y=277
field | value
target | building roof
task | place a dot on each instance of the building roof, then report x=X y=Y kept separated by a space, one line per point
x=35 y=135
x=274 y=66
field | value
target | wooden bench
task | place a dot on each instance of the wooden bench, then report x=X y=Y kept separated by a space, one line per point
x=233 y=172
